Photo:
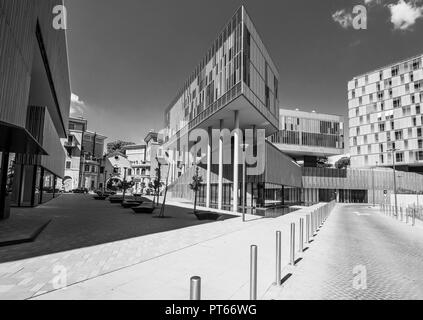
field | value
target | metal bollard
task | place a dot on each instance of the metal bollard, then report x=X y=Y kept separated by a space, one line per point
x=253 y=272
x=278 y=259
x=195 y=288
x=414 y=218
x=308 y=229
x=292 y=245
x=301 y=236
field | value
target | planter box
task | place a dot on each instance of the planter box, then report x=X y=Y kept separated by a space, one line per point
x=208 y=216
x=6 y=212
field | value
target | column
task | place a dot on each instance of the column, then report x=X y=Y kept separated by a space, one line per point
x=236 y=162
x=209 y=158
x=220 y=180
x=4 y=210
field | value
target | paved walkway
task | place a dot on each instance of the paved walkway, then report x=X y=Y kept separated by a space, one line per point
x=356 y=243
x=217 y=252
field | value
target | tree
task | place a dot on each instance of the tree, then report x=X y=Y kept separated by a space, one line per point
x=323 y=163
x=195 y=185
x=343 y=163
x=118 y=146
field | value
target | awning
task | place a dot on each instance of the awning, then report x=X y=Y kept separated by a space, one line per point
x=18 y=140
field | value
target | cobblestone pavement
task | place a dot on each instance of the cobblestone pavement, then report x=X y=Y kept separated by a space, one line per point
x=358 y=240
x=90 y=238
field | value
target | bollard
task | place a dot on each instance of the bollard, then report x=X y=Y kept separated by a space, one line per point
x=292 y=245
x=278 y=259
x=414 y=218
x=253 y=272
x=401 y=211
x=301 y=236
x=195 y=288
x=308 y=229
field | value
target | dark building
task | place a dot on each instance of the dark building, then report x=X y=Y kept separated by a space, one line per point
x=34 y=102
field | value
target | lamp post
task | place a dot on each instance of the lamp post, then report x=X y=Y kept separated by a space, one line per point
x=393 y=150
x=159 y=178
x=244 y=147
x=373 y=184
x=105 y=180
x=162 y=209
x=124 y=182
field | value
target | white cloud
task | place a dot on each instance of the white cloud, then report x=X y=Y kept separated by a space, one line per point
x=78 y=107
x=404 y=15
x=344 y=18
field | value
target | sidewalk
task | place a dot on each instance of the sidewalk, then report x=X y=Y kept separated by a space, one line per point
x=221 y=259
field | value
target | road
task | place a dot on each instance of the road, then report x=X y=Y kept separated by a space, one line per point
x=359 y=254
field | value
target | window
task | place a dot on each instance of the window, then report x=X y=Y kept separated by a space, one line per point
x=380 y=95
x=416 y=64
x=71 y=126
x=93 y=169
x=68 y=164
x=405 y=144
x=395 y=71
x=380 y=75
x=101 y=169
x=414 y=120
x=411 y=76
x=87 y=168
x=381 y=148
x=376 y=137
x=129 y=172
x=381 y=127
x=418 y=109
x=353 y=94
x=419 y=132
x=358 y=150
x=407 y=87
x=398 y=135
x=399 y=157
x=397 y=102
x=420 y=144
x=413 y=99
x=381 y=159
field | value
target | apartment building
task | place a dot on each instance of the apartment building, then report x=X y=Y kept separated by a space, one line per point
x=84 y=163
x=385 y=116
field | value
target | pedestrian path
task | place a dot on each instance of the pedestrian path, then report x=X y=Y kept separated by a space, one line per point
x=221 y=259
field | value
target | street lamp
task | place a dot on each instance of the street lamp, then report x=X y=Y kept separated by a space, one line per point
x=124 y=182
x=373 y=183
x=161 y=215
x=244 y=147
x=393 y=150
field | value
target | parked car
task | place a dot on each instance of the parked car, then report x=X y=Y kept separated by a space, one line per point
x=80 y=190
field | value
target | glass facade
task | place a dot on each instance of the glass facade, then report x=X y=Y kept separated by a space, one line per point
x=309 y=132
x=237 y=62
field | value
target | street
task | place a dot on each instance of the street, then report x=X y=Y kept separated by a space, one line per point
x=356 y=243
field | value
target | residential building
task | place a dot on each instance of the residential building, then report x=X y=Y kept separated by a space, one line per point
x=34 y=103
x=140 y=167
x=307 y=136
x=84 y=158
x=385 y=114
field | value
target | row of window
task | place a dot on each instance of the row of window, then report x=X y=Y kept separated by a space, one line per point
x=399 y=157
x=383 y=126
x=396 y=70
x=307 y=139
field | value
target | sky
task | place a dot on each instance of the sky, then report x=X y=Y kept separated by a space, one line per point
x=129 y=58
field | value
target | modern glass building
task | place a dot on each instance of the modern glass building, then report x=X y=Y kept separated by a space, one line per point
x=309 y=135
x=234 y=87
x=34 y=103
x=385 y=114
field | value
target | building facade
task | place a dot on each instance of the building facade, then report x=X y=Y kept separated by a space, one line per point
x=34 y=103
x=85 y=162
x=385 y=114
x=234 y=88
x=308 y=136
x=140 y=167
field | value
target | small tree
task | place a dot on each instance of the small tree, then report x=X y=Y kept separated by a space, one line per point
x=343 y=163
x=197 y=181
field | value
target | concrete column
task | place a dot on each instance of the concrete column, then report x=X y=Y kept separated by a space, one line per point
x=4 y=206
x=236 y=162
x=220 y=180
x=209 y=164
